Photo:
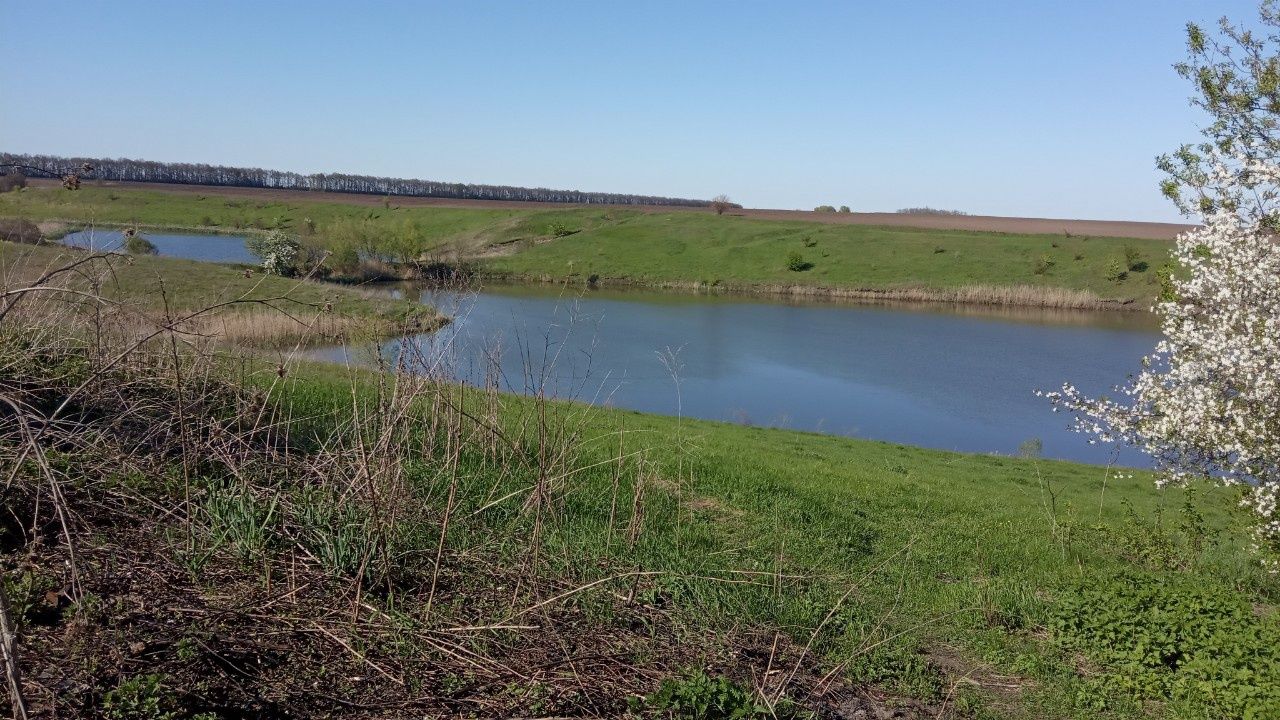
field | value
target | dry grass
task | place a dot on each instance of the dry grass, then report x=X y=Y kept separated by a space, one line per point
x=1027 y=296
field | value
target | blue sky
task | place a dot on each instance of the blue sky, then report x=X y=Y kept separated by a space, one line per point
x=1029 y=108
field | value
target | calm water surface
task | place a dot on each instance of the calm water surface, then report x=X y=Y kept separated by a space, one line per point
x=950 y=379
x=210 y=248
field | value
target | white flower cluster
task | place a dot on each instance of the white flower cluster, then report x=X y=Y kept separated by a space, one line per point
x=1207 y=402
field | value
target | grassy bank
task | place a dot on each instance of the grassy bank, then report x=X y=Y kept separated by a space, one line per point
x=258 y=310
x=192 y=534
x=660 y=249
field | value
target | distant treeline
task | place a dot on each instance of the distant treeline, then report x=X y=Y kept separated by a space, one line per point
x=929 y=211
x=122 y=169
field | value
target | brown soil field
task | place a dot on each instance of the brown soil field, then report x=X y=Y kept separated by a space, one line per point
x=978 y=223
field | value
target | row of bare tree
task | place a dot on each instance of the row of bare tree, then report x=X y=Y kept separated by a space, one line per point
x=122 y=169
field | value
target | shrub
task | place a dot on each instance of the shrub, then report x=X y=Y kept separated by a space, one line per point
x=1133 y=259
x=845 y=209
x=1044 y=264
x=20 y=230
x=797 y=263
x=559 y=229
x=12 y=181
x=277 y=251
x=825 y=209
x=1116 y=271
x=136 y=244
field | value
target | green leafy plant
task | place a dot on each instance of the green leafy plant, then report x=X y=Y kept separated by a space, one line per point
x=797 y=263
x=1133 y=259
x=141 y=697
x=698 y=696
x=1162 y=636
x=559 y=229
x=1116 y=271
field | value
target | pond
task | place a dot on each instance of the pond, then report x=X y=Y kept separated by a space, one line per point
x=193 y=246
x=954 y=379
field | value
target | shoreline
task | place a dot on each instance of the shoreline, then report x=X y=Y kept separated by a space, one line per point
x=1028 y=296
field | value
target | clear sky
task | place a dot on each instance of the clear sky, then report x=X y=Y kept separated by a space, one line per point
x=1028 y=107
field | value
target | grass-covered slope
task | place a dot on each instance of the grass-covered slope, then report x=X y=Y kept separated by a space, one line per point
x=187 y=534
x=680 y=247
x=268 y=310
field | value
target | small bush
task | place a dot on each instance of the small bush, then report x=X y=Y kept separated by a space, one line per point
x=939 y=250
x=1044 y=265
x=1164 y=276
x=278 y=252
x=593 y=279
x=1116 y=271
x=559 y=229
x=20 y=230
x=825 y=209
x=12 y=181
x=797 y=263
x=136 y=244
x=844 y=210
x=1133 y=259
x=810 y=242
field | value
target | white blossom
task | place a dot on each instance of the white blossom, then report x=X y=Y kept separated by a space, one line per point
x=1207 y=401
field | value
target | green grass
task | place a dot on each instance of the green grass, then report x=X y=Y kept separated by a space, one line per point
x=191 y=284
x=955 y=561
x=625 y=245
x=694 y=247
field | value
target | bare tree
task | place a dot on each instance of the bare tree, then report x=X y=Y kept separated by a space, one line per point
x=720 y=203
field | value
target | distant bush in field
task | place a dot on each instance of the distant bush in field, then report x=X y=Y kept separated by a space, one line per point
x=929 y=211
x=1133 y=259
x=20 y=230
x=278 y=251
x=1044 y=264
x=1116 y=271
x=844 y=209
x=722 y=203
x=559 y=229
x=825 y=208
x=797 y=263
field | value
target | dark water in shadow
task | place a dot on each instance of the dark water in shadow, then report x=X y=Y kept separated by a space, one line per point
x=210 y=248
x=942 y=378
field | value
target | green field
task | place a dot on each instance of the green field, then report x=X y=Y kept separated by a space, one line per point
x=681 y=248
